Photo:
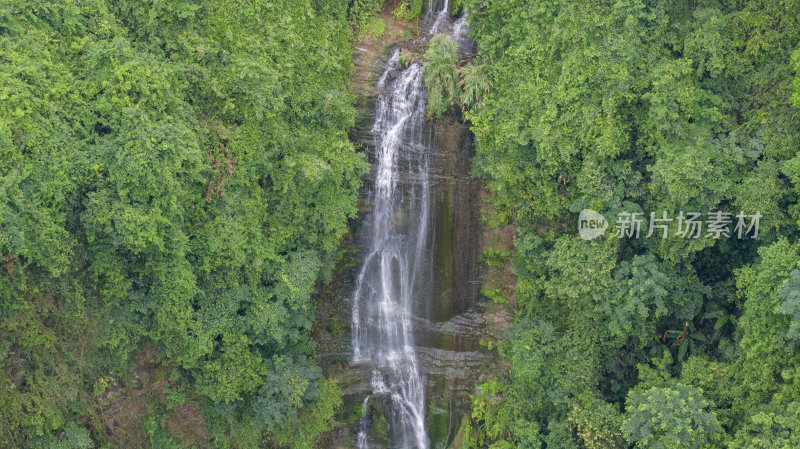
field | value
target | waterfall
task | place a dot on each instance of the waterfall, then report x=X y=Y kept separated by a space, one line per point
x=460 y=28
x=440 y=18
x=386 y=286
x=396 y=269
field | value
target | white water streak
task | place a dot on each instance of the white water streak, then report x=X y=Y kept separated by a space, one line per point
x=386 y=284
x=440 y=18
x=393 y=272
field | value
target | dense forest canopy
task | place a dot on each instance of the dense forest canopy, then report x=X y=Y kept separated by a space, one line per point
x=171 y=173
x=644 y=106
x=176 y=177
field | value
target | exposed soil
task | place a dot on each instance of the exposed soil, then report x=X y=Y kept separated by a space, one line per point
x=123 y=407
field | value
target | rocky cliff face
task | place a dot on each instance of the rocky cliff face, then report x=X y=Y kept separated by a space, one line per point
x=454 y=320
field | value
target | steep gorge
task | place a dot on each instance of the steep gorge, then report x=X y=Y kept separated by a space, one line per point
x=413 y=352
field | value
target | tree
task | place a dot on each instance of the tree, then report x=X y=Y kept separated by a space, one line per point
x=634 y=106
x=670 y=418
x=765 y=330
x=171 y=173
x=791 y=306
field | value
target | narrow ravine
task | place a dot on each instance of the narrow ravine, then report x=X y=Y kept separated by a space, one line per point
x=402 y=327
x=394 y=283
x=394 y=272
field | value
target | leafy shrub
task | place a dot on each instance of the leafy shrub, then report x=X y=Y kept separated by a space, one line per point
x=72 y=436
x=440 y=67
x=408 y=10
x=670 y=418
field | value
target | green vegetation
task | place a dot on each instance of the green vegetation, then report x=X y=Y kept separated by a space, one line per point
x=366 y=19
x=178 y=174
x=408 y=10
x=440 y=66
x=451 y=81
x=642 y=107
x=176 y=177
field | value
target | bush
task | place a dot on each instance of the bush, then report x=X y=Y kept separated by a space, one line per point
x=440 y=67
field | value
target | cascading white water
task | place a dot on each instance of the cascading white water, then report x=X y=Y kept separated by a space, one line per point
x=441 y=17
x=460 y=28
x=396 y=268
x=387 y=283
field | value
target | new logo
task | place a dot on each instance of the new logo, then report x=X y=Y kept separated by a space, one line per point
x=591 y=224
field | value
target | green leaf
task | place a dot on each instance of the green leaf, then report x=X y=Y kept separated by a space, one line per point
x=698 y=336
x=682 y=349
x=720 y=322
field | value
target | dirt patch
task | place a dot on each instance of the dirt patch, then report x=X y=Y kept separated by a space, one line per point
x=119 y=410
x=186 y=424
x=123 y=407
